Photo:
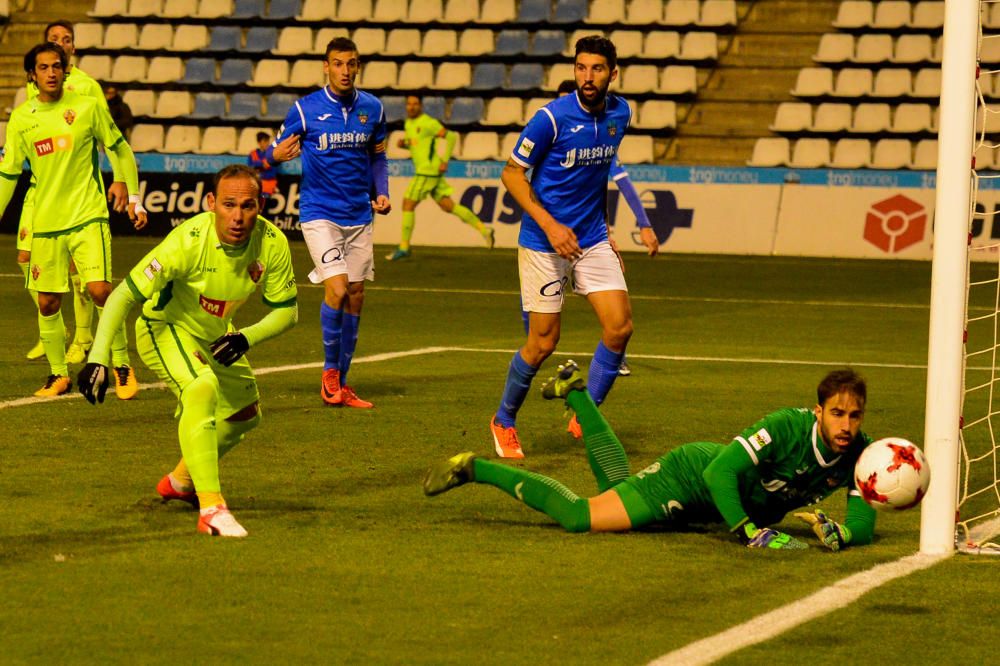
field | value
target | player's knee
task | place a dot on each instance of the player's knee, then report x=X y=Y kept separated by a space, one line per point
x=202 y=390
x=618 y=334
x=48 y=304
x=249 y=415
x=577 y=520
x=99 y=292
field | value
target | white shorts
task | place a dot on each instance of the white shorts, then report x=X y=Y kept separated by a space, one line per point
x=337 y=250
x=545 y=276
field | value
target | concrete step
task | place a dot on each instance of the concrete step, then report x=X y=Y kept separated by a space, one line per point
x=728 y=119
x=744 y=83
x=802 y=16
x=707 y=150
x=770 y=50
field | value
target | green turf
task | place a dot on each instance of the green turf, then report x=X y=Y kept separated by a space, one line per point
x=347 y=562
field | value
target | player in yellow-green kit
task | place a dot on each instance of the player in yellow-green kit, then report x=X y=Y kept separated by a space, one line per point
x=58 y=132
x=425 y=138
x=190 y=286
x=61 y=32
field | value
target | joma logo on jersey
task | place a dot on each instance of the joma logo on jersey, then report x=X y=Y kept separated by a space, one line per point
x=212 y=306
x=53 y=144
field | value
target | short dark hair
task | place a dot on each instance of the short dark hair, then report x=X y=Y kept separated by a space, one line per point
x=261 y=136
x=340 y=44
x=61 y=23
x=601 y=46
x=841 y=380
x=31 y=57
x=235 y=171
x=566 y=87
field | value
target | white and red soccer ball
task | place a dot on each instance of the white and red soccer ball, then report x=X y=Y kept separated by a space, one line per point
x=892 y=475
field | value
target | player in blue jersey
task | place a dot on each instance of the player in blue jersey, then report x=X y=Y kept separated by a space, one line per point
x=340 y=133
x=570 y=145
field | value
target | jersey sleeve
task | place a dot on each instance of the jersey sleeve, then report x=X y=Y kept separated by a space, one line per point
x=617 y=170
x=294 y=125
x=11 y=163
x=535 y=140
x=860 y=520
x=279 y=290
x=159 y=267
x=380 y=132
x=119 y=152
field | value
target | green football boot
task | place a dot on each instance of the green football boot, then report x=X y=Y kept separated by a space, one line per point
x=568 y=378
x=446 y=475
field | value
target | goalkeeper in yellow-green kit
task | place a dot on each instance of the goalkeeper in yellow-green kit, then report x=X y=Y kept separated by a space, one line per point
x=425 y=136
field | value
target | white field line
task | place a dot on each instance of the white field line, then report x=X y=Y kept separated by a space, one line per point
x=774 y=623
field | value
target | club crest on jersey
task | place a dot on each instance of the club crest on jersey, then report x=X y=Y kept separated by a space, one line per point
x=152 y=269
x=35 y=271
x=255 y=270
x=612 y=128
x=69 y=116
x=22 y=234
x=363 y=118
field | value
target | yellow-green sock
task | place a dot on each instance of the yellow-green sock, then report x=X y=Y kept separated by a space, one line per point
x=53 y=334
x=409 y=222
x=83 y=310
x=469 y=218
x=197 y=434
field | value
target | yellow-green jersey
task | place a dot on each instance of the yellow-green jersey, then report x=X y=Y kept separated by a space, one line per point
x=422 y=134
x=59 y=140
x=195 y=282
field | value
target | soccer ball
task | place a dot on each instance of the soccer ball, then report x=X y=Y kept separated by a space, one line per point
x=892 y=475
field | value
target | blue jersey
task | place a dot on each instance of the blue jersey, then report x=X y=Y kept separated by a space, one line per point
x=338 y=140
x=571 y=150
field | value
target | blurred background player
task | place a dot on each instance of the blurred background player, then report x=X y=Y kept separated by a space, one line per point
x=61 y=33
x=340 y=132
x=210 y=265
x=120 y=111
x=267 y=171
x=789 y=459
x=58 y=132
x=564 y=230
x=429 y=167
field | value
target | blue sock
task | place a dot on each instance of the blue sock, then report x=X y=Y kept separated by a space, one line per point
x=330 y=322
x=348 y=341
x=515 y=390
x=603 y=372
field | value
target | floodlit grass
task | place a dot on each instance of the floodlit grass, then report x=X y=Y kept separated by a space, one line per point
x=347 y=561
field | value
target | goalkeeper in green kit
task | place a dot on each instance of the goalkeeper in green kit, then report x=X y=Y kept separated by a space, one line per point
x=787 y=460
x=424 y=138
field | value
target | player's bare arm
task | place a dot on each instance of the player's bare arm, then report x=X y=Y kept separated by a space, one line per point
x=287 y=149
x=515 y=178
x=118 y=196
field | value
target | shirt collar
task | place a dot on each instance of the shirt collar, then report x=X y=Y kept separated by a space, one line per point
x=330 y=95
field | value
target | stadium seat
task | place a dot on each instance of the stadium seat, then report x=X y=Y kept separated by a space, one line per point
x=532 y=106
x=853 y=83
x=985 y=158
x=533 y=11
x=437 y=43
x=189 y=38
x=656 y=114
x=416 y=76
x=770 y=152
x=461 y=11
x=475 y=42
x=466 y=111
x=172 y=104
x=678 y=80
x=832 y=117
x=392 y=149
x=247 y=9
x=993 y=19
x=244 y=106
x=627 y=42
x=118 y=36
x=871 y=118
x=394 y=107
x=370 y=41
x=813 y=82
x=913 y=49
x=792 y=117
x=548 y=43
x=873 y=49
x=164 y=69
x=497 y=11
x=152 y=37
x=128 y=69
x=141 y=102
x=261 y=39
x=434 y=107
x=892 y=83
x=108 y=8
x=217 y=141
x=488 y=76
x=892 y=154
x=209 y=105
x=225 y=38
x=649 y=12
x=925 y=155
x=212 y=9
x=404 y=41
x=503 y=111
x=927 y=16
x=507 y=143
x=283 y=10
x=352 y=11
x=810 y=154
x=247 y=140
x=390 y=11
x=891 y=14
x=557 y=74
x=989 y=51
x=452 y=76
x=911 y=118
x=606 y=11
x=377 y=75
x=569 y=11
x=639 y=78
x=424 y=11
x=198 y=71
x=318 y=10
x=182 y=139
x=854 y=14
x=144 y=8
x=834 y=48
x=278 y=105
x=636 y=149
x=662 y=45
x=88 y=35
x=325 y=35
x=478 y=146
x=512 y=43
x=307 y=74
x=718 y=14
x=146 y=138
x=526 y=76
x=927 y=84
x=236 y=72
x=97 y=66
x=294 y=40
x=699 y=46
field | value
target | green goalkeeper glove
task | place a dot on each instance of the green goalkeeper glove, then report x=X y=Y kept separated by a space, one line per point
x=753 y=537
x=833 y=535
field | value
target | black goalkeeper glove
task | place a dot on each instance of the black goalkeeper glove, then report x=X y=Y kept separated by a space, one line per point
x=230 y=348
x=93 y=382
x=753 y=537
x=833 y=535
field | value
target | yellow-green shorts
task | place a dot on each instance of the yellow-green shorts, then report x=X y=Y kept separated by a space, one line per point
x=24 y=226
x=422 y=186
x=178 y=358
x=89 y=246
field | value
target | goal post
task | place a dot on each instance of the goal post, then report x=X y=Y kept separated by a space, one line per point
x=949 y=274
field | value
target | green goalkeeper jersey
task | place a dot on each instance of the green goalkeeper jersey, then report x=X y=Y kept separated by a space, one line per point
x=193 y=281
x=422 y=134
x=59 y=140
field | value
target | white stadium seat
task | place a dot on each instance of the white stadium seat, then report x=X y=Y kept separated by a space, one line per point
x=810 y=153
x=792 y=117
x=892 y=154
x=182 y=139
x=770 y=152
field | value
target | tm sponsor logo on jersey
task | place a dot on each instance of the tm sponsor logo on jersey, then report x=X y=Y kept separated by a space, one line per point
x=54 y=144
x=588 y=156
x=212 y=306
x=335 y=140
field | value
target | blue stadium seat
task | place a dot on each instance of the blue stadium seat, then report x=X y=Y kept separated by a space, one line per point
x=225 y=38
x=488 y=76
x=236 y=72
x=261 y=39
x=248 y=9
x=511 y=42
x=570 y=11
x=199 y=70
x=283 y=9
x=244 y=106
x=466 y=111
x=434 y=107
x=395 y=108
x=533 y=11
x=209 y=105
x=278 y=105
x=548 y=42
x=526 y=76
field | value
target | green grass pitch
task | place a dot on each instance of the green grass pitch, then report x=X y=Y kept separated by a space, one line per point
x=347 y=561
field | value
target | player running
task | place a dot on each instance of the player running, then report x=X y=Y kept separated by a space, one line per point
x=429 y=167
x=57 y=132
x=570 y=144
x=340 y=132
x=789 y=459
x=191 y=285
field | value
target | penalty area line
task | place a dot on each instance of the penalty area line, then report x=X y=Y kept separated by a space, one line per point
x=774 y=623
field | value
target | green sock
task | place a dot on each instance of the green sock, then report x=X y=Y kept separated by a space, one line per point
x=230 y=433
x=197 y=432
x=83 y=310
x=53 y=335
x=539 y=492
x=469 y=218
x=409 y=221
x=119 y=344
x=607 y=458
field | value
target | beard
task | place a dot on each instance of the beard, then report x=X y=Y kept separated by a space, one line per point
x=595 y=101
